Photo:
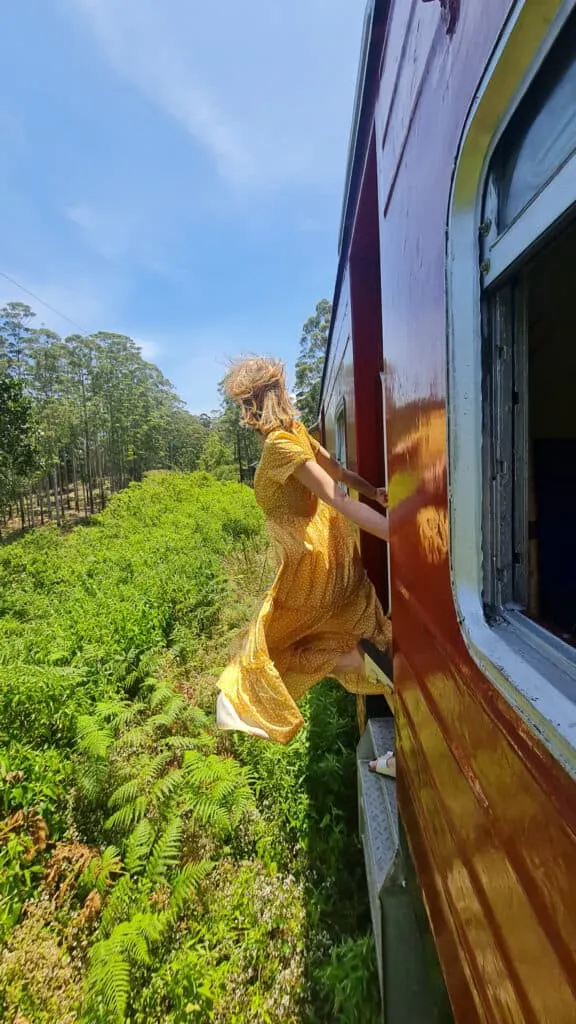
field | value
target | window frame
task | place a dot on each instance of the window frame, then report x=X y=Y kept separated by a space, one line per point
x=533 y=669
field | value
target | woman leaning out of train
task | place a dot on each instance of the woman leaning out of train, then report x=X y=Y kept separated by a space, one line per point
x=321 y=604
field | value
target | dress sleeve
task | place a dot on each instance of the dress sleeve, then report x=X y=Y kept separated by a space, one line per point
x=314 y=444
x=285 y=452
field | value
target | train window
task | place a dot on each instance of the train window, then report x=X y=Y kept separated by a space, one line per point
x=341 y=450
x=533 y=168
x=511 y=360
x=542 y=134
x=529 y=353
x=530 y=440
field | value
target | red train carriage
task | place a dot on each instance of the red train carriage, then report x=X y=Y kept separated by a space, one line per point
x=451 y=373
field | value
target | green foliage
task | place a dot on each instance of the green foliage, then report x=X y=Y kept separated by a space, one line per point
x=310 y=362
x=347 y=986
x=80 y=612
x=172 y=875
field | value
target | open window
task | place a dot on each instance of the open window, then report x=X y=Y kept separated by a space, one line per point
x=528 y=262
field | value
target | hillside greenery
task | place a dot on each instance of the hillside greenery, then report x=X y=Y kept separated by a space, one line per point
x=151 y=869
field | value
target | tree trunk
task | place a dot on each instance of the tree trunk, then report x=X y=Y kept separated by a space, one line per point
x=67 y=483
x=56 y=503
x=75 y=482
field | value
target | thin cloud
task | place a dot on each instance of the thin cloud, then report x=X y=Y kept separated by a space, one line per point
x=255 y=87
x=109 y=233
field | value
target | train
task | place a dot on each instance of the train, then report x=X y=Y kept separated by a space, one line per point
x=449 y=377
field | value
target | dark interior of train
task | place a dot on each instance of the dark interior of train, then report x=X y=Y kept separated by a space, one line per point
x=551 y=297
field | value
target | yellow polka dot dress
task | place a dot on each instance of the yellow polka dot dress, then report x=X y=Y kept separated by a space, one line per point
x=319 y=607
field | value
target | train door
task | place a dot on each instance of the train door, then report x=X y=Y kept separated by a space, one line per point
x=369 y=397
x=368 y=354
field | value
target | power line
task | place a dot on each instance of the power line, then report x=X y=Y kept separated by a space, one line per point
x=42 y=303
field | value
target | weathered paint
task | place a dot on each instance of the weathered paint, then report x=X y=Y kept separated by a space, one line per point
x=489 y=813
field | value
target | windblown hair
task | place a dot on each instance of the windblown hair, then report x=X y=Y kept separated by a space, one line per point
x=258 y=385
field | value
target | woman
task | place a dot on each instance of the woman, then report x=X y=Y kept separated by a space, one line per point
x=321 y=604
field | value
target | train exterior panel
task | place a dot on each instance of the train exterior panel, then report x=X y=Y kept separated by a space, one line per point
x=486 y=794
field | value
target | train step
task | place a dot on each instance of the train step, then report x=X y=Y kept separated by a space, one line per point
x=406 y=994
x=378 y=822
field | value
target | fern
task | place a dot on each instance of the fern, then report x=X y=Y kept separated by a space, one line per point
x=111 y=960
x=128 y=815
x=110 y=864
x=94 y=740
x=108 y=980
x=139 y=737
x=153 y=767
x=161 y=695
x=185 y=884
x=92 y=777
x=130 y=939
x=225 y=794
x=117 y=712
x=125 y=794
x=208 y=813
x=166 y=852
x=138 y=847
x=124 y=897
x=166 y=789
x=177 y=744
x=100 y=870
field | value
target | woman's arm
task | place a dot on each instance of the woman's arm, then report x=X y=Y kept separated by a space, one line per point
x=317 y=480
x=332 y=467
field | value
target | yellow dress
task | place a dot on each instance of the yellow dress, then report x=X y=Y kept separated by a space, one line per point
x=319 y=607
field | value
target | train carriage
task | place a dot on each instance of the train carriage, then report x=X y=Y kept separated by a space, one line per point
x=450 y=375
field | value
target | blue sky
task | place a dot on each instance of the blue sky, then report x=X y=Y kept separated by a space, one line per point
x=173 y=170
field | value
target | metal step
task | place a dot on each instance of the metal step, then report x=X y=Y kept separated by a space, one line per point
x=412 y=992
x=378 y=815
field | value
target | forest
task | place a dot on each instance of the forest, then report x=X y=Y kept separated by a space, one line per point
x=81 y=417
x=151 y=869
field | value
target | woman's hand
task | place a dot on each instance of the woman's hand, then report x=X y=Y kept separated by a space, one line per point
x=381 y=496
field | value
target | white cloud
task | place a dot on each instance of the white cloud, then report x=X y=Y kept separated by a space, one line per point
x=265 y=89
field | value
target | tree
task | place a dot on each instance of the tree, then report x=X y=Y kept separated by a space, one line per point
x=187 y=437
x=216 y=459
x=310 y=362
x=242 y=445
x=17 y=453
x=15 y=320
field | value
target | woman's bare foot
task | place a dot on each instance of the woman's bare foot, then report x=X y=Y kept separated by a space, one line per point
x=385 y=765
x=351 y=662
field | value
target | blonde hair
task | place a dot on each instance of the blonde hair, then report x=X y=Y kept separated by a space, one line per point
x=258 y=385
